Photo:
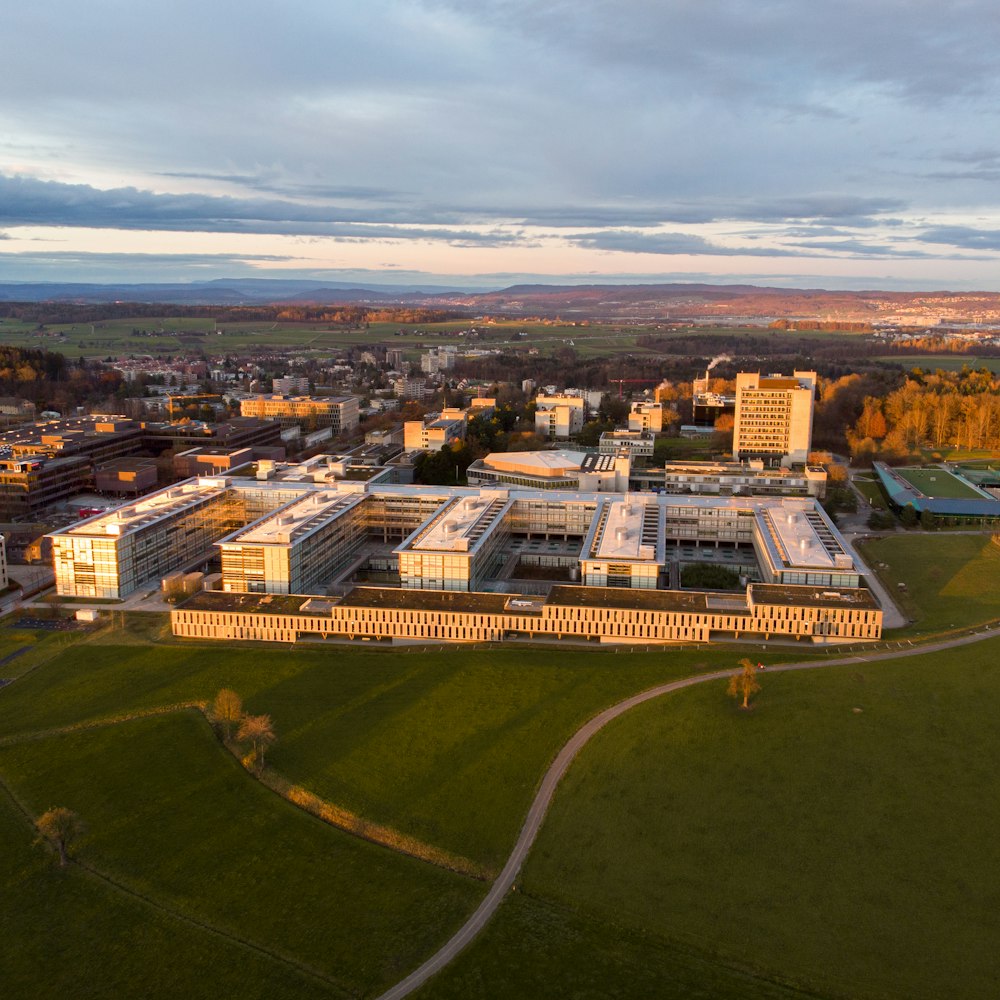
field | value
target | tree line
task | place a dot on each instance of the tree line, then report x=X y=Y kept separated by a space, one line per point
x=939 y=410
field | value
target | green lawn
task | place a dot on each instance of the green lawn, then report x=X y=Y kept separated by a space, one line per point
x=536 y=948
x=872 y=492
x=228 y=853
x=938 y=483
x=952 y=580
x=446 y=746
x=71 y=934
x=840 y=837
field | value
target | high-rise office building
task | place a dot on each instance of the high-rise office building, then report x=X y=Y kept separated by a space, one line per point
x=774 y=417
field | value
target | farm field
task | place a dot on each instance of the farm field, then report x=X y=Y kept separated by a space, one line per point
x=951 y=578
x=836 y=841
x=172 y=335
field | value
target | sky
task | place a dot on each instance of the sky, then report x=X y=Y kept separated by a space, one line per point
x=844 y=144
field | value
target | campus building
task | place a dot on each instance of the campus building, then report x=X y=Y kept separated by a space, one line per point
x=594 y=614
x=726 y=478
x=552 y=470
x=281 y=540
x=774 y=417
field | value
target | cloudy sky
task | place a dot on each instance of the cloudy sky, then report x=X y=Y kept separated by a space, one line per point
x=850 y=143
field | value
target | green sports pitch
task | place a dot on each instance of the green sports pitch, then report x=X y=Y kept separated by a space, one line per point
x=938 y=484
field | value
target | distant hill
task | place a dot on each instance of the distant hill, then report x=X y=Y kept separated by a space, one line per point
x=613 y=303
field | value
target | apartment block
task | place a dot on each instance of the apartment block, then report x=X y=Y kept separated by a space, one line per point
x=638 y=444
x=646 y=416
x=309 y=413
x=435 y=431
x=291 y=385
x=558 y=417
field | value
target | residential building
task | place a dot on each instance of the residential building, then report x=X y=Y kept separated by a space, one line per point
x=435 y=431
x=638 y=444
x=559 y=416
x=413 y=387
x=646 y=416
x=291 y=385
x=309 y=413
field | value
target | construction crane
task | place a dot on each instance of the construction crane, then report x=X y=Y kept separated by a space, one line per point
x=198 y=395
x=631 y=381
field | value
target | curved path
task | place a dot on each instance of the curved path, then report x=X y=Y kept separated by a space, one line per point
x=543 y=797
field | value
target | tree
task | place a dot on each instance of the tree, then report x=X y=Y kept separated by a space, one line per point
x=259 y=733
x=744 y=684
x=928 y=520
x=59 y=828
x=227 y=711
x=908 y=516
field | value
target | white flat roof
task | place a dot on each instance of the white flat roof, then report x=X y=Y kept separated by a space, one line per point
x=297 y=518
x=143 y=512
x=802 y=536
x=459 y=526
x=621 y=537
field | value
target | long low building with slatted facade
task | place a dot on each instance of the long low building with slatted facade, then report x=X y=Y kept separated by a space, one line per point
x=597 y=614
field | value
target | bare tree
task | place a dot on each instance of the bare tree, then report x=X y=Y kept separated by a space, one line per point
x=744 y=684
x=59 y=827
x=259 y=733
x=227 y=711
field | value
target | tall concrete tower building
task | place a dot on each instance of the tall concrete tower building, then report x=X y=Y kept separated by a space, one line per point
x=774 y=417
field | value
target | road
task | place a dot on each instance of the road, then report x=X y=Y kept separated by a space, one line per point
x=543 y=797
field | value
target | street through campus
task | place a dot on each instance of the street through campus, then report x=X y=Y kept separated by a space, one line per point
x=539 y=806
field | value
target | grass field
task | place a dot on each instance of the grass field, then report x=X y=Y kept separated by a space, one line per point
x=690 y=854
x=951 y=579
x=231 y=855
x=872 y=492
x=405 y=739
x=938 y=483
x=446 y=745
x=839 y=838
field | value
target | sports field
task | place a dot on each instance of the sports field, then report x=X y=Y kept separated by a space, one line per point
x=938 y=483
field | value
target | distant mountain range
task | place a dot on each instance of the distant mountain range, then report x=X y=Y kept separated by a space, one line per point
x=624 y=303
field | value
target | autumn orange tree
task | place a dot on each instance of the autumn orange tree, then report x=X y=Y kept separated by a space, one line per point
x=744 y=684
x=58 y=828
x=227 y=711
x=258 y=731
